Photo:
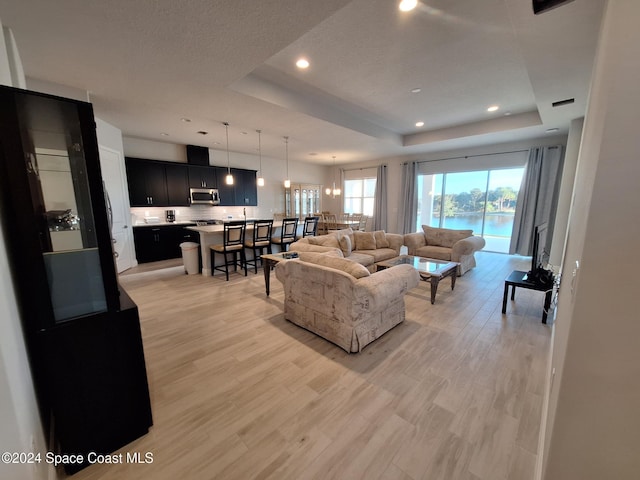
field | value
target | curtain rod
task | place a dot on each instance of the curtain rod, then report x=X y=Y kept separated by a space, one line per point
x=362 y=168
x=472 y=156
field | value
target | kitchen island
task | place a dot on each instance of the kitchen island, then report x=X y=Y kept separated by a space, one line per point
x=212 y=235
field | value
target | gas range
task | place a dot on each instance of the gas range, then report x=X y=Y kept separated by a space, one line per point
x=207 y=221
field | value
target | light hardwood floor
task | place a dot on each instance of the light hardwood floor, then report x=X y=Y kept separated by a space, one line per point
x=455 y=392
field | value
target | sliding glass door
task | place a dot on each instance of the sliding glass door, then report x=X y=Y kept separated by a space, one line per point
x=483 y=201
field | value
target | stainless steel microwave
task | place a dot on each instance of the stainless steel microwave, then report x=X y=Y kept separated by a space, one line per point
x=204 y=196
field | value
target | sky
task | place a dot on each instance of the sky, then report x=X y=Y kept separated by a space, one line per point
x=466 y=181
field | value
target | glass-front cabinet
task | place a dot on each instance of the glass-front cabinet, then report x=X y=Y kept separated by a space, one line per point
x=62 y=194
x=302 y=200
x=82 y=331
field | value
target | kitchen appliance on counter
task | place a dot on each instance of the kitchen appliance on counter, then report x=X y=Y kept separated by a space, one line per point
x=170 y=215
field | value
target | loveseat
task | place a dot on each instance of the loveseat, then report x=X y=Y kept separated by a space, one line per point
x=365 y=248
x=445 y=244
x=341 y=300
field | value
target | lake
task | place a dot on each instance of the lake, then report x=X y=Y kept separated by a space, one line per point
x=496 y=224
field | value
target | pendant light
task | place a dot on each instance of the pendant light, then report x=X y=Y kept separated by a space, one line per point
x=229 y=178
x=260 y=177
x=287 y=182
x=334 y=192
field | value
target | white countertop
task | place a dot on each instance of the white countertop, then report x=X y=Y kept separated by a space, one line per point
x=220 y=228
x=163 y=224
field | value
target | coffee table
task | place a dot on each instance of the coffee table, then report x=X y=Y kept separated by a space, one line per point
x=270 y=260
x=430 y=269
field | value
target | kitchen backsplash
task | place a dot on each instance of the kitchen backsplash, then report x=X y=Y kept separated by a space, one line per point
x=195 y=212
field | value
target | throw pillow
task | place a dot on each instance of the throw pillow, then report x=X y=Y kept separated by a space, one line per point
x=347 y=266
x=364 y=240
x=431 y=235
x=325 y=241
x=381 y=239
x=345 y=245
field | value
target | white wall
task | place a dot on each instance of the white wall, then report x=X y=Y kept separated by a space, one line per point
x=593 y=425
x=566 y=191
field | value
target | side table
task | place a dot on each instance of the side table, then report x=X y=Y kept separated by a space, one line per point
x=516 y=279
x=269 y=261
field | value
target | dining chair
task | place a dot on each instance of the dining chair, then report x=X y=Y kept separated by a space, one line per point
x=232 y=243
x=310 y=227
x=362 y=224
x=330 y=222
x=287 y=233
x=260 y=240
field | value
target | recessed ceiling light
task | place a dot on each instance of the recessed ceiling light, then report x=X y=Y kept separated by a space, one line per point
x=185 y=119
x=302 y=63
x=419 y=124
x=408 y=5
x=551 y=130
x=416 y=90
x=164 y=134
x=506 y=114
x=493 y=108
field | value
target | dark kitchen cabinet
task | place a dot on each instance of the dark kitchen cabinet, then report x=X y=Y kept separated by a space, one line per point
x=246 y=191
x=227 y=192
x=202 y=177
x=81 y=330
x=147 y=183
x=161 y=242
x=177 y=176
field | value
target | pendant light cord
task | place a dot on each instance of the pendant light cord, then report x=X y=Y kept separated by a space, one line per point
x=226 y=127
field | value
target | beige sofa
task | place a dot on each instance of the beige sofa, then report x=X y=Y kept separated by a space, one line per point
x=340 y=300
x=446 y=244
x=365 y=248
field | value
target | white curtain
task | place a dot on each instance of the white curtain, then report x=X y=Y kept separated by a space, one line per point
x=380 y=200
x=409 y=212
x=537 y=198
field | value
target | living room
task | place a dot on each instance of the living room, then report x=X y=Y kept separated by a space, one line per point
x=584 y=358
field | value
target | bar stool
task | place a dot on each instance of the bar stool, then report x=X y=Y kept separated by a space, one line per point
x=287 y=234
x=261 y=240
x=310 y=227
x=233 y=243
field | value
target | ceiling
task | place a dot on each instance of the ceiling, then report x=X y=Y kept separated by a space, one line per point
x=149 y=64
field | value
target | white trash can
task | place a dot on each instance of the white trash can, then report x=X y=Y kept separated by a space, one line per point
x=190 y=257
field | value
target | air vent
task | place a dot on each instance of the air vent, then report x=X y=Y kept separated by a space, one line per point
x=560 y=103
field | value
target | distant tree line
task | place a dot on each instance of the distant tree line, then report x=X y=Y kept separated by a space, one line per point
x=500 y=200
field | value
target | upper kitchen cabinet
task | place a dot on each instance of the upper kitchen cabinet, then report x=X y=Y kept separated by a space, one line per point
x=177 y=185
x=246 y=191
x=227 y=192
x=202 y=177
x=147 y=183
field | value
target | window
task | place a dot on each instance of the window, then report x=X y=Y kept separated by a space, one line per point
x=483 y=201
x=358 y=195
